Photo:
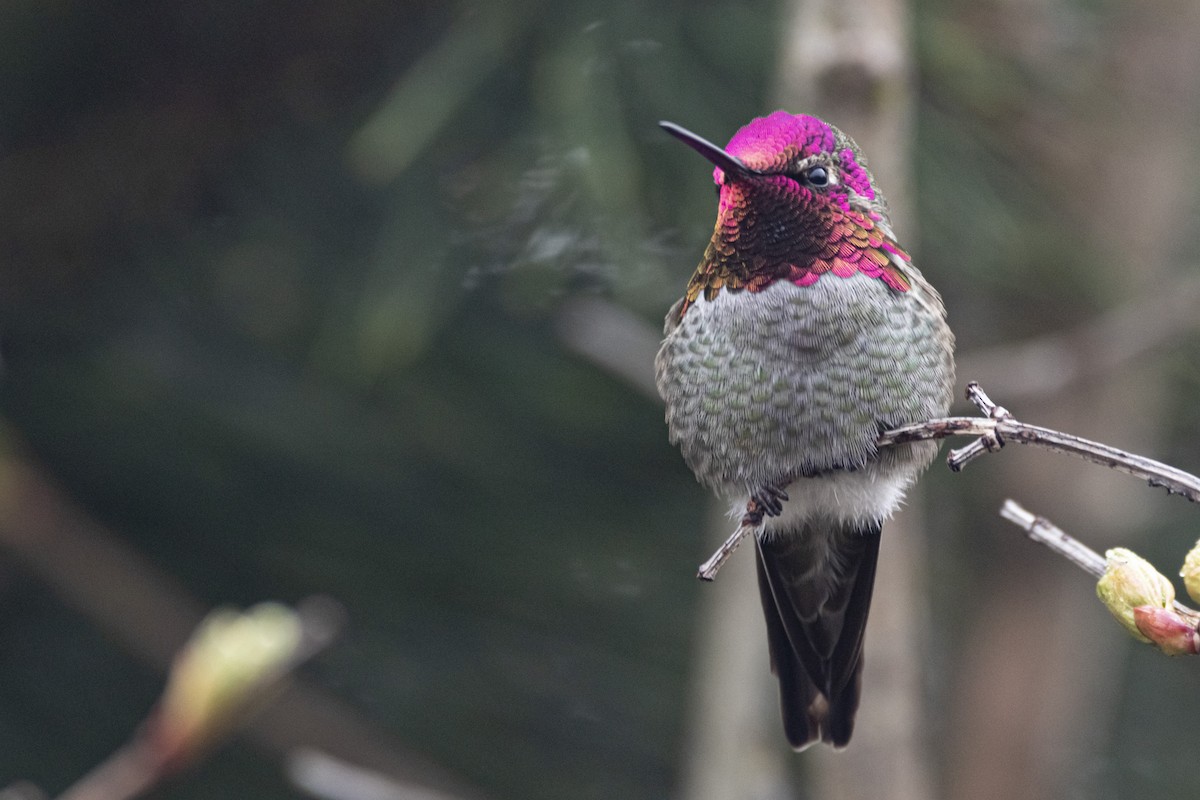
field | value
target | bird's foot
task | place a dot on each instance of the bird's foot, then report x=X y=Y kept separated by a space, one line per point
x=766 y=502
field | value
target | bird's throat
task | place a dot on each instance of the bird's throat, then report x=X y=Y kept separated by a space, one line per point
x=787 y=234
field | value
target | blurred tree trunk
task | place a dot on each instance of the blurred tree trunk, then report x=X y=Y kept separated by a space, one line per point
x=846 y=61
x=849 y=61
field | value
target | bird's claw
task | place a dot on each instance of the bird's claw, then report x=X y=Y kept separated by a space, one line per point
x=766 y=502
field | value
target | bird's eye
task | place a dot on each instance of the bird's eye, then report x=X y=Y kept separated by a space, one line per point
x=817 y=176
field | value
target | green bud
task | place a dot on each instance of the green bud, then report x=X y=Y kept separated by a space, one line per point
x=229 y=659
x=1191 y=573
x=1130 y=581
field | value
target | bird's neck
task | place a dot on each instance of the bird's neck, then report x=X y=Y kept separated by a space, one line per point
x=785 y=233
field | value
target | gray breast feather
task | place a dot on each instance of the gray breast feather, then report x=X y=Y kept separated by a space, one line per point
x=791 y=381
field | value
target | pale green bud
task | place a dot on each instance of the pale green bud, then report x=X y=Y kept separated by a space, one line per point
x=1130 y=581
x=1191 y=573
x=229 y=659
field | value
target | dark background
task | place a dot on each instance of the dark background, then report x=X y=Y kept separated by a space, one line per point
x=282 y=288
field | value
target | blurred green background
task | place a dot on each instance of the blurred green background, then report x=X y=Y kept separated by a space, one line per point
x=282 y=300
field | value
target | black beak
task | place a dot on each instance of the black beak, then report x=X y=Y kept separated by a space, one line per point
x=729 y=164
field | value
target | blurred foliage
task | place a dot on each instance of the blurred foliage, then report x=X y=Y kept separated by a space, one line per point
x=277 y=303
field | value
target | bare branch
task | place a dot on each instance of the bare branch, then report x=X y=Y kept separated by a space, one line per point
x=613 y=338
x=1043 y=531
x=1006 y=429
x=993 y=432
x=123 y=594
x=708 y=570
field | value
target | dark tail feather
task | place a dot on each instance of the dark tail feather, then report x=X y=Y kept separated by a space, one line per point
x=815 y=585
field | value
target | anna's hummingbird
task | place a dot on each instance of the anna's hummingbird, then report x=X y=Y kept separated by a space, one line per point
x=804 y=333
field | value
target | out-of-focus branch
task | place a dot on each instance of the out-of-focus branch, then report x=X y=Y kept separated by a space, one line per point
x=613 y=338
x=328 y=778
x=851 y=62
x=624 y=345
x=151 y=615
x=229 y=668
x=1047 y=365
x=424 y=101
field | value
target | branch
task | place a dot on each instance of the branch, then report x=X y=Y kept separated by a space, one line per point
x=1043 y=531
x=231 y=666
x=993 y=431
x=752 y=523
x=999 y=427
x=1135 y=593
x=99 y=576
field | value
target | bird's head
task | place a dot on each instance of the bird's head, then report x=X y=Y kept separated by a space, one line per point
x=796 y=202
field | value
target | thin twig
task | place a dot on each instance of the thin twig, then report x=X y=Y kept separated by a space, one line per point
x=994 y=430
x=1006 y=429
x=127 y=773
x=1043 y=531
x=708 y=570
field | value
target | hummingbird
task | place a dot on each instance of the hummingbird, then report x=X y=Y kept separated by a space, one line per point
x=803 y=334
